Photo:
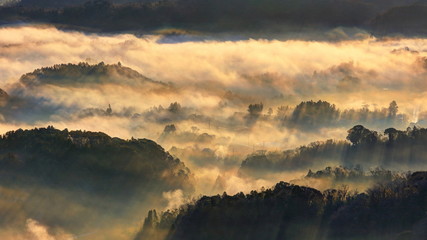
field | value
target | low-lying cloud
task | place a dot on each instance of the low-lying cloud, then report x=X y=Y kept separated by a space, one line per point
x=195 y=97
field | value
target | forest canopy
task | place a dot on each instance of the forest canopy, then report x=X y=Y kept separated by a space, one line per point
x=368 y=148
x=88 y=179
x=393 y=209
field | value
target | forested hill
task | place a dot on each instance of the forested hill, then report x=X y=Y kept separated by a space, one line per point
x=89 y=160
x=40 y=94
x=392 y=149
x=393 y=210
x=86 y=179
x=83 y=74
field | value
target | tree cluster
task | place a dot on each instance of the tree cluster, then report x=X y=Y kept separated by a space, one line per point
x=312 y=115
x=355 y=174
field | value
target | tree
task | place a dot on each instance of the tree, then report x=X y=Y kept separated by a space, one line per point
x=361 y=135
x=169 y=129
x=282 y=112
x=109 y=110
x=314 y=114
x=255 y=109
x=174 y=107
x=392 y=134
x=392 y=110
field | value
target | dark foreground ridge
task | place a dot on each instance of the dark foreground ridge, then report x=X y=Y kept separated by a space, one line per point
x=392 y=210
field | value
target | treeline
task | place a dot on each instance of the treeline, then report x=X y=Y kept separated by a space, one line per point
x=394 y=148
x=354 y=174
x=392 y=210
x=219 y=15
x=312 y=115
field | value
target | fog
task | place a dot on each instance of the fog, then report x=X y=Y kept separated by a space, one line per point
x=203 y=89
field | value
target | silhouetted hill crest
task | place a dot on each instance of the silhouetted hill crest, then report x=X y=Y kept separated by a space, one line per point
x=82 y=74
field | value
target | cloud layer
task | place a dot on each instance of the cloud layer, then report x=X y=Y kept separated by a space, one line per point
x=199 y=101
